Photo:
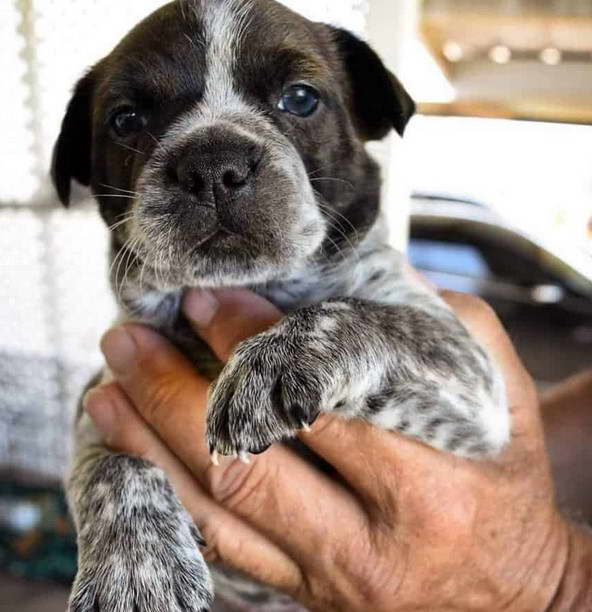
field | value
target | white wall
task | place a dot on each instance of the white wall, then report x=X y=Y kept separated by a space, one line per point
x=391 y=24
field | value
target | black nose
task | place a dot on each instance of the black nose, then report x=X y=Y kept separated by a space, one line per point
x=218 y=167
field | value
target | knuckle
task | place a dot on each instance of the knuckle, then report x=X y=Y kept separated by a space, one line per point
x=471 y=308
x=530 y=391
x=467 y=302
x=331 y=427
x=157 y=397
x=240 y=487
x=211 y=551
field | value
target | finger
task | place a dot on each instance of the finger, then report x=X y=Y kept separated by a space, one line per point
x=225 y=317
x=123 y=429
x=164 y=387
x=171 y=398
x=228 y=539
x=367 y=457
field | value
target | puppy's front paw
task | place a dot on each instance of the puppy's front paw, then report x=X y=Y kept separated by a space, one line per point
x=138 y=548
x=275 y=384
x=154 y=578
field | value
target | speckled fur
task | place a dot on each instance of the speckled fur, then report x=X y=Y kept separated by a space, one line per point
x=357 y=339
x=376 y=347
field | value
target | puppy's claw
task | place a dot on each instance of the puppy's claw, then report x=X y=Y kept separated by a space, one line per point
x=214 y=458
x=305 y=427
x=244 y=457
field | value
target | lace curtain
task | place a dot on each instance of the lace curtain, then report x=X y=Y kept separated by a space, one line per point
x=54 y=298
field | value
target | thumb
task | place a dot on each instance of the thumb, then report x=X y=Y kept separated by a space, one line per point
x=225 y=317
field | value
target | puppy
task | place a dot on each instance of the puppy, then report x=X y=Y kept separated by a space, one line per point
x=224 y=143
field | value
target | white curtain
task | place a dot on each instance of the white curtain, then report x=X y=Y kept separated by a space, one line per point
x=54 y=298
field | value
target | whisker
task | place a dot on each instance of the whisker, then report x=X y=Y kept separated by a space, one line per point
x=197 y=43
x=333 y=179
x=124 y=146
x=321 y=168
x=114 y=269
x=333 y=224
x=158 y=144
x=125 y=213
x=333 y=215
x=123 y=260
x=142 y=271
x=119 y=223
x=170 y=252
x=129 y=262
x=118 y=189
x=338 y=249
x=324 y=206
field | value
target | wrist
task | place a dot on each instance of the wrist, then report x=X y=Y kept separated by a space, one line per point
x=574 y=591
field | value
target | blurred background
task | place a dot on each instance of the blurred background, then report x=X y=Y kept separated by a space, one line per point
x=490 y=192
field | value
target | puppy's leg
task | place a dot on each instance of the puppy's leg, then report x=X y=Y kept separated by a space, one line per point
x=408 y=368
x=138 y=549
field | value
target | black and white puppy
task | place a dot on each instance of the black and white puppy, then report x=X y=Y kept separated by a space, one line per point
x=224 y=142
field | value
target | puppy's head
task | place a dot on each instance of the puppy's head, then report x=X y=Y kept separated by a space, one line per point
x=224 y=141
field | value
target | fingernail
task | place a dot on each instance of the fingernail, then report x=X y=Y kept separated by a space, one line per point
x=120 y=349
x=100 y=408
x=200 y=306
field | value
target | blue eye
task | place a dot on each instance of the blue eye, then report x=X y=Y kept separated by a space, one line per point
x=127 y=121
x=300 y=100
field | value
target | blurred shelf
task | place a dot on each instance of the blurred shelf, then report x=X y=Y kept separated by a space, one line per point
x=493 y=63
x=529 y=111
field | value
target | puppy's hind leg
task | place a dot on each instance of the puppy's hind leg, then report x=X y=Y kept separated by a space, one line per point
x=138 y=549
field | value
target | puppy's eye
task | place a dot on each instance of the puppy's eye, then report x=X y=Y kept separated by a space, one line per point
x=127 y=121
x=300 y=100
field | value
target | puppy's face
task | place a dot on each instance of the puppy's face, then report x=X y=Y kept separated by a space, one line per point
x=224 y=141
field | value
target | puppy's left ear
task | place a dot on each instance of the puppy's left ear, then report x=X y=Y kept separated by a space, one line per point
x=380 y=102
x=72 y=151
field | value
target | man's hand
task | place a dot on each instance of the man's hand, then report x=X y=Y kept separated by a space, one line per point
x=404 y=527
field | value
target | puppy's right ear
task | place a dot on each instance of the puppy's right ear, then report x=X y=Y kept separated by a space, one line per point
x=72 y=151
x=380 y=102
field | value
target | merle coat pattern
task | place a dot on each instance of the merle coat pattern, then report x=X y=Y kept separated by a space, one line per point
x=224 y=143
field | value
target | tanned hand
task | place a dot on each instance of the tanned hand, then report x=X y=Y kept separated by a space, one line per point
x=404 y=528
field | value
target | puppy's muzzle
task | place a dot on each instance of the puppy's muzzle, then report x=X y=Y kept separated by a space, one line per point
x=217 y=166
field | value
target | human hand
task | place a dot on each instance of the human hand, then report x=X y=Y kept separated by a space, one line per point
x=407 y=528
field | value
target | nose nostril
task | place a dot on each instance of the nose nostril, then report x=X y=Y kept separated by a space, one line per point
x=187 y=178
x=233 y=179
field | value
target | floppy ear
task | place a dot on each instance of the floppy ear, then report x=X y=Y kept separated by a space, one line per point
x=380 y=101
x=72 y=151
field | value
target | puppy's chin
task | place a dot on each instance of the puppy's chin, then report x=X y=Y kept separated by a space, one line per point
x=231 y=260
x=223 y=258
x=171 y=260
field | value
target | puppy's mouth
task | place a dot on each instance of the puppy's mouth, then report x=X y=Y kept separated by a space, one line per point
x=164 y=254
x=171 y=256
x=217 y=237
